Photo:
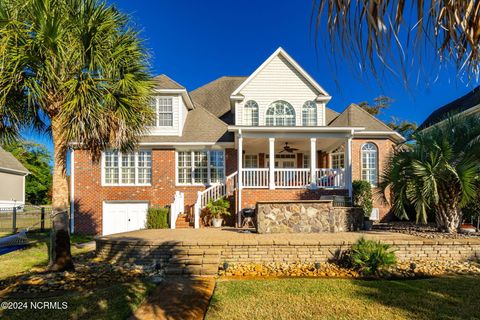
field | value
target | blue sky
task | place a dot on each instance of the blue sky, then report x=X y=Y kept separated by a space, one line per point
x=195 y=42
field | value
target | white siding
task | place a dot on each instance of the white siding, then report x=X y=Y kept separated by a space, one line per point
x=279 y=81
x=177 y=121
x=182 y=116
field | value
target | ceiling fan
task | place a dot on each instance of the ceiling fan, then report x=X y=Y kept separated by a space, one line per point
x=287 y=148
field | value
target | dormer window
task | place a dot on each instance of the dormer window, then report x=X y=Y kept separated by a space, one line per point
x=280 y=114
x=163 y=107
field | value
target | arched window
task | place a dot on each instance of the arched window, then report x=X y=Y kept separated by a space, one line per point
x=309 y=113
x=338 y=158
x=280 y=114
x=250 y=113
x=370 y=163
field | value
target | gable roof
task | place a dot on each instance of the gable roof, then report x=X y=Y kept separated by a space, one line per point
x=215 y=95
x=294 y=64
x=200 y=126
x=330 y=115
x=355 y=116
x=9 y=163
x=464 y=103
x=164 y=82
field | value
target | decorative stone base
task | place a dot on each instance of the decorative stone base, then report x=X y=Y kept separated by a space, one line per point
x=306 y=217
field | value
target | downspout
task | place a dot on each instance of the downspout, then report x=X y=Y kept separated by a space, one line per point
x=72 y=190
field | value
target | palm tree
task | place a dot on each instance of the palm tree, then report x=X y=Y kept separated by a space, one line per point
x=383 y=32
x=437 y=173
x=76 y=70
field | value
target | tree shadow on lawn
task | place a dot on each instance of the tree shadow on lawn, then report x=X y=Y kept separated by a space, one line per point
x=448 y=297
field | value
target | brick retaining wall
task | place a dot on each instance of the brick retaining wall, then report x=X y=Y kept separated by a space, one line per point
x=205 y=258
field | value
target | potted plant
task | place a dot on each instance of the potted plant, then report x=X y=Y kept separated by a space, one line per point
x=217 y=210
x=362 y=197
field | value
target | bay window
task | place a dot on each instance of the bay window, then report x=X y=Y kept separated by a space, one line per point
x=127 y=168
x=200 y=167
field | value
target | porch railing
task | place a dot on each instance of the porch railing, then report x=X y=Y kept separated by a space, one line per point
x=330 y=178
x=255 y=178
x=292 y=178
x=177 y=207
x=213 y=193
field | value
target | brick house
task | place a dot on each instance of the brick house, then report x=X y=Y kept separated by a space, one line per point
x=276 y=120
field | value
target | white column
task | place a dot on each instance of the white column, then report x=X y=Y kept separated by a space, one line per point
x=348 y=165
x=271 y=162
x=313 y=162
x=240 y=179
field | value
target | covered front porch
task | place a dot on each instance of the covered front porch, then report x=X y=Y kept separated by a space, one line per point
x=294 y=158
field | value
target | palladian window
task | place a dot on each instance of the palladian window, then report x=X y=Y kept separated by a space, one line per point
x=309 y=114
x=280 y=114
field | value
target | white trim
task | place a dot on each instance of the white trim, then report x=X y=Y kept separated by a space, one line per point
x=377 y=158
x=173 y=144
x=135 y=184
x=72 y=190
x=8 y=170
x=192 y=175
x=282 y=52
x=295 y=129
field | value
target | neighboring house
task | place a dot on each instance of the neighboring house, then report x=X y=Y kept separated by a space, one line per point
x=468 y=104
x=12 y=181
x=276 y=120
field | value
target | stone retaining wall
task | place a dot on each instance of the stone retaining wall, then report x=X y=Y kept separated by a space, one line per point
x=306 y=217
x=203 y=258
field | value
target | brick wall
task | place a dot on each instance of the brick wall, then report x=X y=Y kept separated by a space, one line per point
x=385 y=149
x=89 y=193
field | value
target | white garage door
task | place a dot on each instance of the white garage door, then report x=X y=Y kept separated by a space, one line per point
x=124 y=216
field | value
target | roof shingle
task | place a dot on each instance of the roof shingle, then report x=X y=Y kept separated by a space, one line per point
x=355 y=116
x=164 y=82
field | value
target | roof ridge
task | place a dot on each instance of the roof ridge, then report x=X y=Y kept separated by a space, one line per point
x=163 y=74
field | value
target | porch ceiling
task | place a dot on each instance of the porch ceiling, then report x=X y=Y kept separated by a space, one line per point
x=260 y=145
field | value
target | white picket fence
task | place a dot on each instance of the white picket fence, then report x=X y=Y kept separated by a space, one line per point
x=177 y=207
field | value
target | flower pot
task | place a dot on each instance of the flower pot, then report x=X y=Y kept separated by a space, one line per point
x=217 y=223
x=367 y=224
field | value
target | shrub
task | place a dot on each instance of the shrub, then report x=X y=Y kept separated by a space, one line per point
x=219 y=208
x=362 y=196
x=370 y=257
x=157 y=218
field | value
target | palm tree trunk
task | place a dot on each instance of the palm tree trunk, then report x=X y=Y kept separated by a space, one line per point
x=60 y=255
x=449 y=217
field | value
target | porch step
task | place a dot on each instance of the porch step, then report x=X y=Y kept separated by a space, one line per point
x=182 y=222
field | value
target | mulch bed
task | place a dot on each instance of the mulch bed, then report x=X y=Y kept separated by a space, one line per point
x=428 y=231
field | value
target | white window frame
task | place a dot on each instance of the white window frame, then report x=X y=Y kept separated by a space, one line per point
x=284 y=117
x=192 y=171
x=340 y=153
x=253 y=157
x=365 y=172
x=119 y=168
x=309 y=114
x=157 y=100
x=250 y=113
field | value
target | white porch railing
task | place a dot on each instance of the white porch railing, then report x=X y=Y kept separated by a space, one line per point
x=255 y=177
x=213 y=193
x=177 y=207
x=292 y=178
x=330 y=178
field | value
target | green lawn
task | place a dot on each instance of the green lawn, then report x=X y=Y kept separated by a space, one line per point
x=114 y=302
x=36 y=255
x=439 y=298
